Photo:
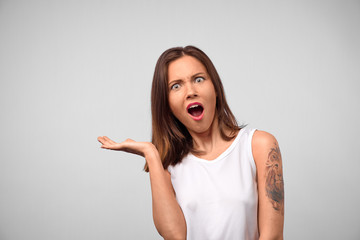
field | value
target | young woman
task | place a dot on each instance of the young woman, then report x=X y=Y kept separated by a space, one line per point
x=210 y=178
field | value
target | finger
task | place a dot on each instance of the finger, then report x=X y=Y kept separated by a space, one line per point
x=106 y=141
x=113 y=146
x=109 y=140
x=110 y=146
x=102 y=140
x=129 y=140
x=105 y=147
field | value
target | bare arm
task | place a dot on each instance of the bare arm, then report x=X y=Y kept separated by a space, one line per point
x=268 y=161
x=167 y=214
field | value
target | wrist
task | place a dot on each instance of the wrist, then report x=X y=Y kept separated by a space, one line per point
x=149 y=150
x=151 y=153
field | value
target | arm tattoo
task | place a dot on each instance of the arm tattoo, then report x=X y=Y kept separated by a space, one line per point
x=274 y=179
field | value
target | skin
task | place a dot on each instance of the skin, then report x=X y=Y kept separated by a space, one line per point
x=168 y=217
x=189 y=82
x=268 y=162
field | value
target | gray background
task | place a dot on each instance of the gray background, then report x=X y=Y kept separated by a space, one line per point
x=74 y=70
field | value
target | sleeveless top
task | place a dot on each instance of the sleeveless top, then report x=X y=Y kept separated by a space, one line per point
x=219 y=197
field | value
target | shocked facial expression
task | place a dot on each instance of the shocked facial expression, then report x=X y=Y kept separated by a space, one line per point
x=192 y=96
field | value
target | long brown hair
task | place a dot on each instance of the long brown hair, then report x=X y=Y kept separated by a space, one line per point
x=169 y=135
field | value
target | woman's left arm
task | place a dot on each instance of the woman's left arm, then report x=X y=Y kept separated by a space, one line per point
x=268 y=162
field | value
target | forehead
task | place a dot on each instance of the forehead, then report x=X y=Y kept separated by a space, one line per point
x=185 y=67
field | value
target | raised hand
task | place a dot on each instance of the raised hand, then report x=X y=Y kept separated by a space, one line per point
x=129 y=145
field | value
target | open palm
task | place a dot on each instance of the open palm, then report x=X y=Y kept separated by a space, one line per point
x=129 y=145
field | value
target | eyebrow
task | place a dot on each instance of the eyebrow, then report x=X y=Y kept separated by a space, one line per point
x=179 y=80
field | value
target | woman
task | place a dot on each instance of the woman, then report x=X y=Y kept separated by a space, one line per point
x=210 y=178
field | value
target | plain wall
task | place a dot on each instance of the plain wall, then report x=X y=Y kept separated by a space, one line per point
x=71 y=71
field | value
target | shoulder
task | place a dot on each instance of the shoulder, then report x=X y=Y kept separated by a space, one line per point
x=262 y=138
x=263 y=143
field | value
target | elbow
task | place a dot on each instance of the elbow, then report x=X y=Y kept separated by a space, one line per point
x=175 y=238
x=271 y=237
x=174 y=234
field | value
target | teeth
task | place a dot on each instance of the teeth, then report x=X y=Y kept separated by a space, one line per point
x=193 y=106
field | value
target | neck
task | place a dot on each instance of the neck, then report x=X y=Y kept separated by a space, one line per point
x=209 y=140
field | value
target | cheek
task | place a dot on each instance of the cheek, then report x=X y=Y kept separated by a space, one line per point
x=171 y=100
x=174 y=104
x=172 y=108
x=213 y=99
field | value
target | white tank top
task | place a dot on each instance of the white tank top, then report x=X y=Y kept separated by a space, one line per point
x=219 y=197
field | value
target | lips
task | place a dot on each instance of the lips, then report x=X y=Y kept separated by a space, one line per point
x=195 y=110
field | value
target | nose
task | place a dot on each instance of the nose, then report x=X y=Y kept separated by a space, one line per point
x=191 y=91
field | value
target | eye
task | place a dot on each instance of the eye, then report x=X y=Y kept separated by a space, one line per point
x=199 y=79
x=175 y=86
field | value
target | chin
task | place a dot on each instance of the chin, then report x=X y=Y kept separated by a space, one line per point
x=201 y=129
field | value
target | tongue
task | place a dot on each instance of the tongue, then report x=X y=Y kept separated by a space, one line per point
x=196 y=111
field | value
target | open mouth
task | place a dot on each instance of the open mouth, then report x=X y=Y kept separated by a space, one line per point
x=195 y=110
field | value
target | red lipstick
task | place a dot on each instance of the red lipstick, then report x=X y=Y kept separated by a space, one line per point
x=196 y=111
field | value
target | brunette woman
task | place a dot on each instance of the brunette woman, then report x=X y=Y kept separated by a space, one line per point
x=210 y=178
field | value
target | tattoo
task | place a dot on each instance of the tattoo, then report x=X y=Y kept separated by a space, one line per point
x=274 y=179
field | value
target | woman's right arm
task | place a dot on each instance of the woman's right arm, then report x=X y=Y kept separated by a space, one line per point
x=168 y=217
x=167 y=214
